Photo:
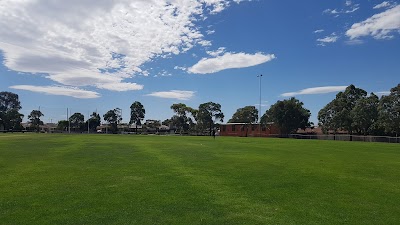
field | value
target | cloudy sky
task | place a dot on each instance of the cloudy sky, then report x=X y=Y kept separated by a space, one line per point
x=90 y=55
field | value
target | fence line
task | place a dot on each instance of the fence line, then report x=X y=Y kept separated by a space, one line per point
x=347 y=137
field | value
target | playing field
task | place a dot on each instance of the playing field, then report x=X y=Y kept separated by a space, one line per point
x=117 y=179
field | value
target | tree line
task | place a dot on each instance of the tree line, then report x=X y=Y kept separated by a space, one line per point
x=353 y=111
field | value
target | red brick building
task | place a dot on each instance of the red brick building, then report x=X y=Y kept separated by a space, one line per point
x=248 y=130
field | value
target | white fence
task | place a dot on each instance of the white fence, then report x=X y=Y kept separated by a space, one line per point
x=343 y=137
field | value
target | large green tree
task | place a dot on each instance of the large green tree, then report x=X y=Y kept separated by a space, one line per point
x=113 y=117
x=10 y=118
x=183 y=118
x=62 y=125
x=94 y=121
x=247 y=115
x=35 y=121
x=77 y=121
x=137 y=114
x=337 y=114
x=389 y=111
x=207 y=115
x=365 y=115
x=289 y=115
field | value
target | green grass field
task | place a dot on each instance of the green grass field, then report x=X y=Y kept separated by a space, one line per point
x=116 y=179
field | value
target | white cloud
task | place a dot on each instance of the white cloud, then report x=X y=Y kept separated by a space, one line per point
x=315 y=90
x=59 y=90
x=209 y=32
x=229 y=61
x=328 y=39
x=350 y=9
x=180 y=68
x=217 y=52
x=379 y=26
x=380 y=93
x=174 y=94
x=74 y=42
x=384 y=4
x=318 y=31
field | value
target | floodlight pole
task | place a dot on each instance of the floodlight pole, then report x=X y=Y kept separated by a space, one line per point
x=88 y=122
x=259 y=111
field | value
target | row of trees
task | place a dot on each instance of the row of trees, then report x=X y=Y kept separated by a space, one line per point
x=356 y=112
x=352 y=111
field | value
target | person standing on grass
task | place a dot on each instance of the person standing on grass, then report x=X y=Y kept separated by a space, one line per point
x=213 y=133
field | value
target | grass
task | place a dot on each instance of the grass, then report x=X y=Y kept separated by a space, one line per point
x=115 y=179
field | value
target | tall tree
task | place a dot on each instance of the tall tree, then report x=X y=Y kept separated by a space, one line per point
x=327 y=118
x=183 y=116
x=34 y=118
x=208 y=114
x=10 y=118
x=337 y=114
x=389 y=111
x=288 y=115
x=246 y=115
x=113 y=117
x=365 y=114
x=137 y=114
x=77 y=121
x=94 y=121
x=62 y=125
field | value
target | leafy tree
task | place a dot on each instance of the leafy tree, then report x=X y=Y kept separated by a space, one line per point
x=34 y=118
x=327 y=118
x=337 y=114
x=389 y=111
x=365 y=114
x=137 y=114
x=62 y=125
x=152 y=125
x=183 y=116
x=288 y=115
x=10 y=118
x=167 y=122
x=94 y=121
x=113 y=117
x=208 y=114
x=247 y=115
x=77 y=121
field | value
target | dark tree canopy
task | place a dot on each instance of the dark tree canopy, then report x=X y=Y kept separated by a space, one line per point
x=208 y=114
x=137 y=114
x=289 y=115
x=9 y=101
x=94 y=121
x=63 y=125
x=247 y=114
x=77 y=121
x=183 y=117
x=365 y=114
x=113 y=117
x=34 y=118
x=10 y=118
x=337 y=114
x=389 y=112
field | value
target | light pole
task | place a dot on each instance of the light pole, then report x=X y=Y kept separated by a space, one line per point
x=259 y=111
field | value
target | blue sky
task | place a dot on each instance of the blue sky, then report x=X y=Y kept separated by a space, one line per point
x=58 y=55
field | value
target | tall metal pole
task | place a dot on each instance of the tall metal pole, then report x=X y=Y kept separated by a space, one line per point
x=259 y=111
x=88 y=129
x=69 y=123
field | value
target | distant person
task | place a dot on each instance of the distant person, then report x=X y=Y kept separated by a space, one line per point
x=213 y=133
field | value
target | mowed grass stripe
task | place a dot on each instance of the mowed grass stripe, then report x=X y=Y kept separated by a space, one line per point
x=107 y=179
